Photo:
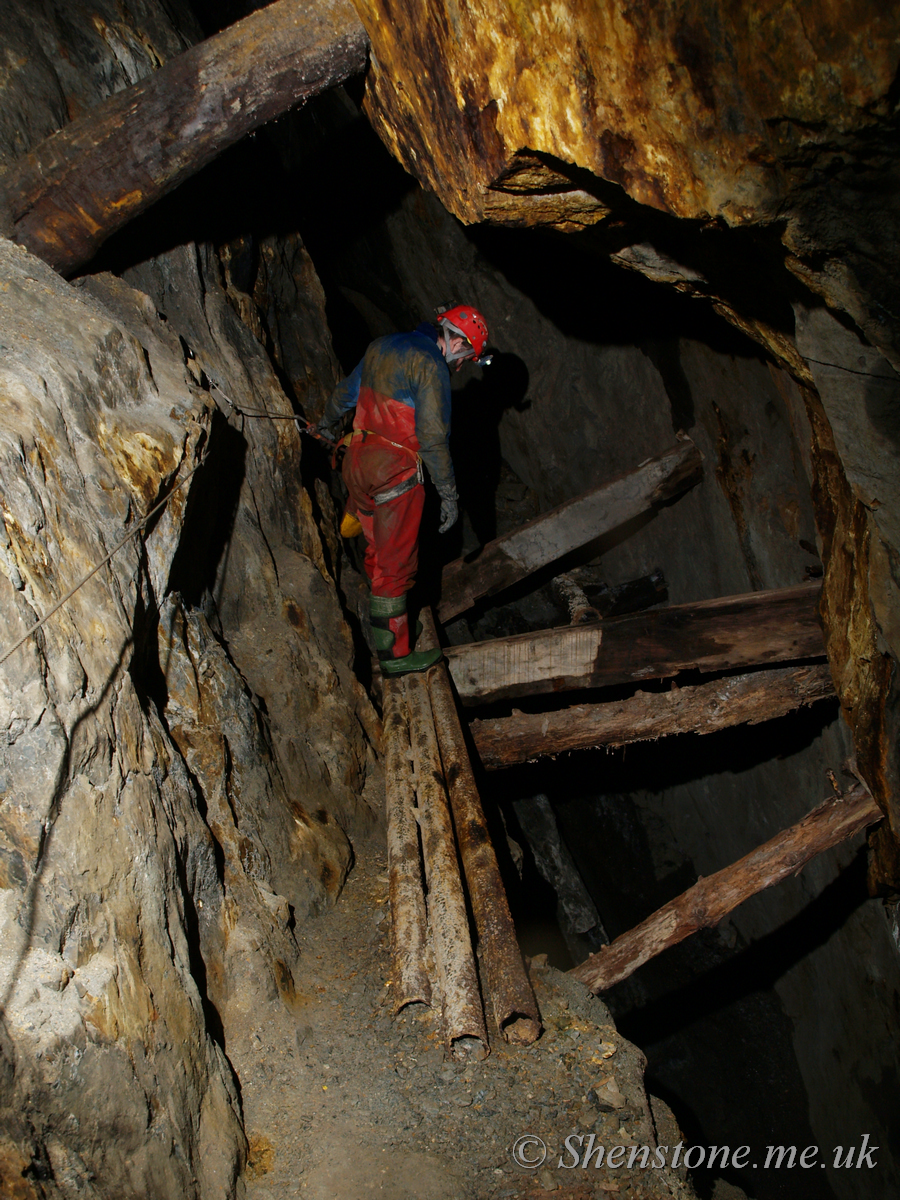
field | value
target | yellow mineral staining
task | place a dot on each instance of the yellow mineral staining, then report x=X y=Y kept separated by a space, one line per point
x=126 y=201
x=140 y=462
x=635 y=95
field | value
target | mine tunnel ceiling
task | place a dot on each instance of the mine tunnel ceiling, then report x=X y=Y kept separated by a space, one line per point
x=683 y=143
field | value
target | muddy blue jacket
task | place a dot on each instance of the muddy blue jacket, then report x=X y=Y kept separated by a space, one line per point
x=401 y=390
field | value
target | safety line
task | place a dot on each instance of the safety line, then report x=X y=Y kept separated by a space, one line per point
x=254 y=412
x=852 y=370
x=303 y=426
x=128 y=536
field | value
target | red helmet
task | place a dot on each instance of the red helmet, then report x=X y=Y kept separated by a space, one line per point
x=468 y=323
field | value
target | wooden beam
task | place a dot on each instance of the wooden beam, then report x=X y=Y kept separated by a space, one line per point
x=574 y=524
x=75 y=189
x=409 y=924
x=713 y=635
x=502 y=970
x=712 y=898
x=705 y=708
x=576 y=912
x=464 y=1033
x=569 y=592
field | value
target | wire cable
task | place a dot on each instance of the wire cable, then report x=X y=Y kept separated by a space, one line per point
x=128 y=536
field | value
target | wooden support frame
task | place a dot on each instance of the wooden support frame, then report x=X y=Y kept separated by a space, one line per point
x=755 y=629
x=576 y=523
x=712 y=898
x=75 y=189
x=704 y=708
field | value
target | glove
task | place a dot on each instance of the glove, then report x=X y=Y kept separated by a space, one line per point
x=449 y=510
x=327 y=430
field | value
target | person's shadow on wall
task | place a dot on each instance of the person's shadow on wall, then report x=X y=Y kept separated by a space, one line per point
x=478 y=408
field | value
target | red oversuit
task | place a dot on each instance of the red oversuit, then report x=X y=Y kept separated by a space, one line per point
x=401 y=392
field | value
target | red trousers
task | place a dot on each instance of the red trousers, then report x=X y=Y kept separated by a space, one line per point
x=391 y=530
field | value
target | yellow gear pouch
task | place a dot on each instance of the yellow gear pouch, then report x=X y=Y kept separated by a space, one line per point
x=350 y=526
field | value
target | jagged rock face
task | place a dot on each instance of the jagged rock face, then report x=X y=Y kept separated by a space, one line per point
x=186 y=750
x=105 y=855
x=688 y=108
x=573 y=114
x=160 y=829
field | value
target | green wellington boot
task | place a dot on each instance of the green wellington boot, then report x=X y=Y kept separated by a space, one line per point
x=390 y=633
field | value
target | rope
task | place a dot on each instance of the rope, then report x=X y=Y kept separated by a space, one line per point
x=128 y=536
x=250 y=412
x=851 y=370
x=302 y=424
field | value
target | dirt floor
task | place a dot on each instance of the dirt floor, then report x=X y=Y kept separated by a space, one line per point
x=367 y=1103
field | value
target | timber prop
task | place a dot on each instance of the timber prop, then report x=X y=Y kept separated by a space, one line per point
x=574 y=524
x=744 y=699
x=756 y=629
x=77 y=187
x=713 y=897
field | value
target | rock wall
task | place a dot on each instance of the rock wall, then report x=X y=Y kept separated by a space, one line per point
x=582 y=114
x=186 y=751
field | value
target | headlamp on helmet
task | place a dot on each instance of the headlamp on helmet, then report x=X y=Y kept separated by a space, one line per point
x=461 y=320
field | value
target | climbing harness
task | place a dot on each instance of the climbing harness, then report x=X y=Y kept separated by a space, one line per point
x=365 y=434
x=399 y=489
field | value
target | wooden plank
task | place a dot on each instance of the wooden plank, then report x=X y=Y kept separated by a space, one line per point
x=705 y=708
x=712 y=898
x=714 y=635
x=574 y=524
x=66 y=197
